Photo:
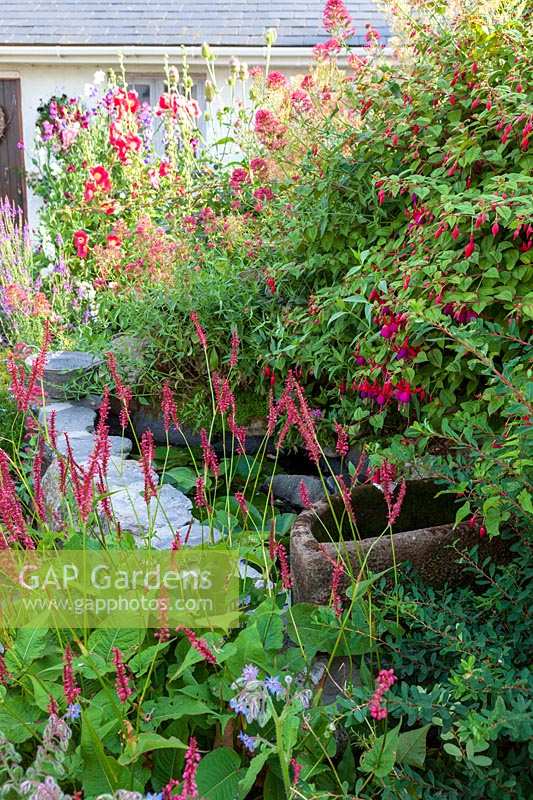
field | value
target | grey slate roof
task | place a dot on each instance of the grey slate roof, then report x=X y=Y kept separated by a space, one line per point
x=173 y=22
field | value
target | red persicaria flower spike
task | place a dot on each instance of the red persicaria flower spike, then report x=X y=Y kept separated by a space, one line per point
x=122 y=391
x=147 y=457
x=394 y=511
x=346 y=498
x=200 y=645
x=241 y=500
x=52 y=707
x=38 y=493
x=342 y=446
x=52 y=431
x=223 y=394
x=168 y=407
x=122 y=684
x=23 y=393
x=210 y=458
x=385 y=680
x=176 y=542
x=200 y=497
x=305 y=498
x=11 y=514
x=70 y=689
x=286 y=578
x=200 y=333
x=296 y=770
x=4 y=674
x=235 y=344
x=189 y=789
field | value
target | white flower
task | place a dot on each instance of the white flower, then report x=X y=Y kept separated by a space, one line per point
x=99 y=76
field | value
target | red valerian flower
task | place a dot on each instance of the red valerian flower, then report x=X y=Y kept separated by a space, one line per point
x=270 y=131
x=336 y=19
x=81 y=239
x=301 y=103
x=276 y=80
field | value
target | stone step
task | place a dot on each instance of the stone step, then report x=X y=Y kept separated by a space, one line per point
x=69 y=417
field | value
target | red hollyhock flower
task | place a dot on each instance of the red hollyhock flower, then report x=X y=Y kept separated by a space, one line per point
x=101 y=177
x=113 y=240
x=89 y=191
x=81 y=239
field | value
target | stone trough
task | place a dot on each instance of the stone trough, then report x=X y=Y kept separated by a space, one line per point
x=424 y=535
x=63 y=369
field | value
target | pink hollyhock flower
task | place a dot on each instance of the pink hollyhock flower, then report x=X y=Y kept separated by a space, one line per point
x=81 y=239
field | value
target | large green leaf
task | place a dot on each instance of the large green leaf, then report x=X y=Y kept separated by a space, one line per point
x=411 y=747
x=381 y=757
x=218 y=775
x=146 y=742
x=102 y=641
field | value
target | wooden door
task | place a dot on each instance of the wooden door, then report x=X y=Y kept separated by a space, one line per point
x=12 y=178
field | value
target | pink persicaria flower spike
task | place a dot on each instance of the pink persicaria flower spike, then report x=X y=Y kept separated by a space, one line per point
x=122 y=391
x=241 y=500
x=342 y=446
x=200 y=645
x=385 y=680
x=37 y=471
x=25 y=393
x=4 y=674
x=286 y=578
x=200 y=333
x=192 y=759
x=296 y=770
x=122 y=684
x=305 y=498
x=168 y=407
x=147 y=457
x=70 y=689
x=210 y=457
x=11 y=514
x=235 y=344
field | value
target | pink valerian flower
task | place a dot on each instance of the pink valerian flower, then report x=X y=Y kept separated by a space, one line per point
x=70 y=688
x=259 y=166
x=10 y=509
x=235 y=344
x=200 y=333
x=122 y=391
x=168 y=407
x=342 y=447
x=301 y=102
x=210 y=457
x=336 y=19
x=241 y=500
x=24 y=393
x=147 y=457
x=296 y=770
x=269 y=129
x=325 y=50
x=305 y=498
x=37 y=470
x=238 y=178
x=122 y=684
x=276 y=80
x=200 y=645
x=263 y=193
x=385 y=680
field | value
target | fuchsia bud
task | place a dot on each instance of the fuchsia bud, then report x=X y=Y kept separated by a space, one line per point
x=456 y=232
x=495 y=228
x=488 y=104
x=470 y=247
x=381 y=197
